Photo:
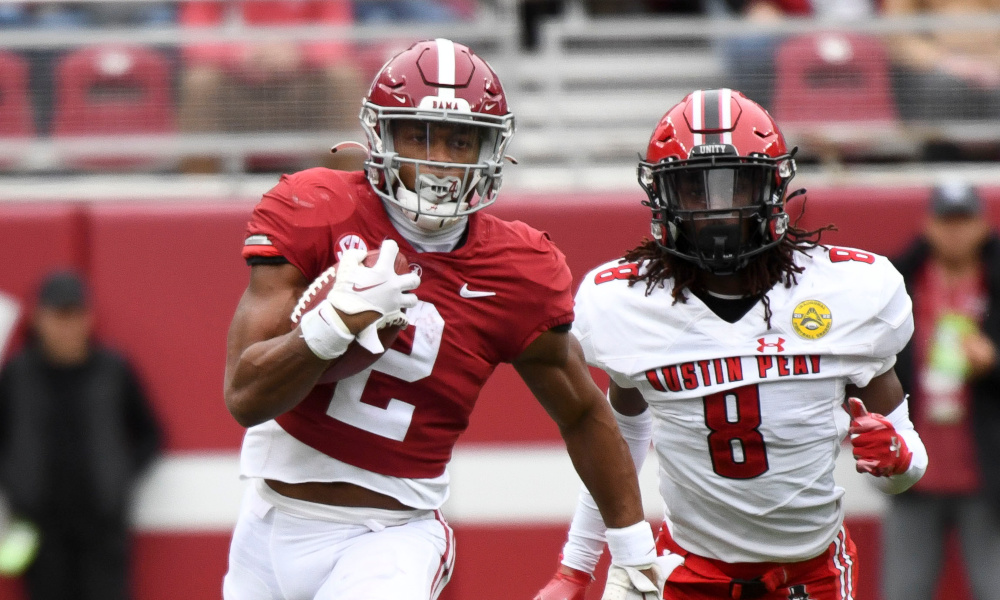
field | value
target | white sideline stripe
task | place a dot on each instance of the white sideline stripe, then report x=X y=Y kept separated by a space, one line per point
x=520 y=485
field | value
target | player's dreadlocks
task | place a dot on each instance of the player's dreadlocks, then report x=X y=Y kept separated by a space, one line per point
x=763 y=272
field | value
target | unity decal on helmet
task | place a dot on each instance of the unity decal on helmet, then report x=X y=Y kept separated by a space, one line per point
x=812 y=319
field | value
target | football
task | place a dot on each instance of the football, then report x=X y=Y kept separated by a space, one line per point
x=356 y=359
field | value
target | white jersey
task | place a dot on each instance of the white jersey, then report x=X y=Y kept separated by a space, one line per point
x=748 y=419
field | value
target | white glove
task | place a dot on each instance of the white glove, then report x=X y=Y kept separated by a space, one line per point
x=359 y=288
x=628 y=583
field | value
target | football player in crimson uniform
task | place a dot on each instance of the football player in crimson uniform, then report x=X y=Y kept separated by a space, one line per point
x=747 y=352
x=348 y=475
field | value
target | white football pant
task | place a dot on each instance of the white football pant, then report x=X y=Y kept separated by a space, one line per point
x=282 y=554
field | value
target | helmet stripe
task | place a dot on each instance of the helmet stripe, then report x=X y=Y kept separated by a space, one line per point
x=725 y=112
x=712 y=117
x=446 y=68
x=696 y=117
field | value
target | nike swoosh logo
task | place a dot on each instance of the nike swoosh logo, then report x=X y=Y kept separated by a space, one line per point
x=367 y=287
x=465 y=292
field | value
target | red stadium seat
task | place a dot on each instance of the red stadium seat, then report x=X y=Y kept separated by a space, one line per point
x=111 y=91
x=15 y=106
x=833 y=77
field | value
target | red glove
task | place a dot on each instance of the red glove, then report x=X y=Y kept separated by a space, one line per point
x=568 y=584
x=878 y=449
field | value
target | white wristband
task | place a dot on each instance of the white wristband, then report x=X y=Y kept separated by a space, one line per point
x=632 y=546
x=900 y=420
x=324 y=331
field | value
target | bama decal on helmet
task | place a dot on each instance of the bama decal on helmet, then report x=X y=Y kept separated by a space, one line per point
x=439 y=103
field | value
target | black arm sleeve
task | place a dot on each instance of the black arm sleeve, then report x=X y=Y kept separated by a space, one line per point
x=267 y=260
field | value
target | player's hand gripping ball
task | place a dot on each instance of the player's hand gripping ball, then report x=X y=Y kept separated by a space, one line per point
x=357 y=358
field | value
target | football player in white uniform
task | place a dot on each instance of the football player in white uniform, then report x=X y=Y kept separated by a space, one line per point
x=747 y=352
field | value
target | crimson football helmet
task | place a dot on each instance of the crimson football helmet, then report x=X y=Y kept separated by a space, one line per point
x=716 y=171
x=437 y=82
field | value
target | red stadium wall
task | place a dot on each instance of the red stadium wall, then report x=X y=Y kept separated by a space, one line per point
x=166 y=278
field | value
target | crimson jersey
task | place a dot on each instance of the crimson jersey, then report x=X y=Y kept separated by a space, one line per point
x=480 y=305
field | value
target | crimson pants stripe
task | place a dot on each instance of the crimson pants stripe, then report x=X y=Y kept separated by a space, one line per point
x=447 y=558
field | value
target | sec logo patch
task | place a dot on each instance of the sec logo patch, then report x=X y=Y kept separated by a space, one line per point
x=350 y=241
x=812 y=319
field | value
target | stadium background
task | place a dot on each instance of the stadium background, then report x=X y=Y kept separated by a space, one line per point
x=161 y=247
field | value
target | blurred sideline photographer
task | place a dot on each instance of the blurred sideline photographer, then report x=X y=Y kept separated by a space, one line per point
x=952 y=272
x=75 y=432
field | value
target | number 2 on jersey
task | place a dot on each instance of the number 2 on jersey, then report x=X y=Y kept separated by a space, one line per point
x=349 y=403
x=735 y=443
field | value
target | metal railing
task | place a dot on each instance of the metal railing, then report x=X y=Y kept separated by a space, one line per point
x=585 y=100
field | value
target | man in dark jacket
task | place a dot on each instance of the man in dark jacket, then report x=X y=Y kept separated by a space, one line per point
x=952 y=371
x=75 y=432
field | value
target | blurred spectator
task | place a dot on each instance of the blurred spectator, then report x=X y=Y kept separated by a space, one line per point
x=73 y=15
x=950 y=367
x=267 y=86
x=947 y=73
x=531 y=14
x=368 y=12
x=638 y=7
x=75 y=432
x=750 y=59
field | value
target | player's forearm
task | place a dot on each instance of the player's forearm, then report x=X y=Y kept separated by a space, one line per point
x=585 y=540
x=603 y=462
x=270 y=378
